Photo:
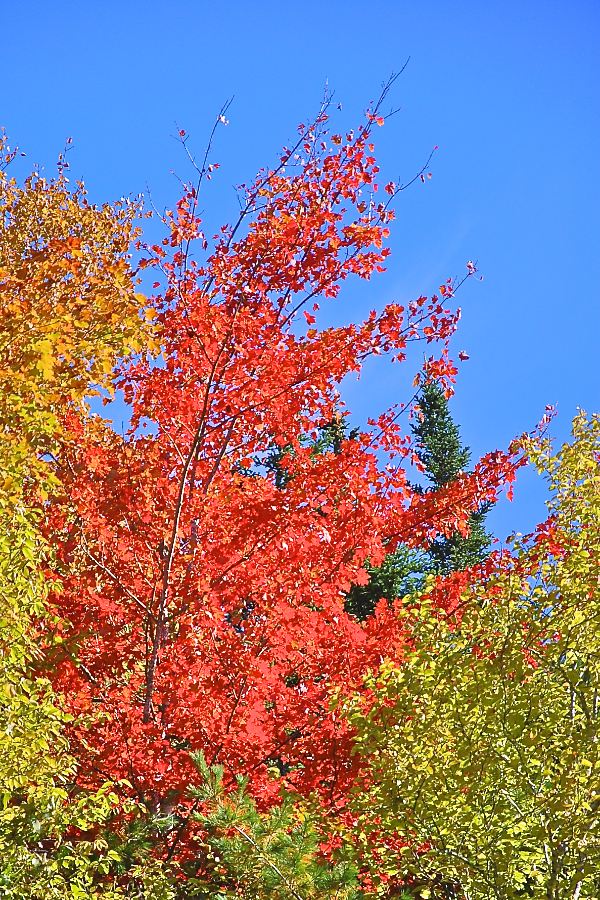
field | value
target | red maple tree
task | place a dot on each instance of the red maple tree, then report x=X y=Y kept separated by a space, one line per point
x=202 y=593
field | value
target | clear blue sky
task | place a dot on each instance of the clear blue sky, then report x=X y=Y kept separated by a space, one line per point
x=509 y=91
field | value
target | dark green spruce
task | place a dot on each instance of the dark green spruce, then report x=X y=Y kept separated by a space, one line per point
x=439 y=448
x=440 y=451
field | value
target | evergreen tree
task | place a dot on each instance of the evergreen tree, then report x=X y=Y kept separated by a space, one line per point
x=248 y=853
x=439 y=448
x=402 y=572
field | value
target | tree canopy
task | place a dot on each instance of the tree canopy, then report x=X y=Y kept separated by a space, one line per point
x=243 y=655
x=483 y=742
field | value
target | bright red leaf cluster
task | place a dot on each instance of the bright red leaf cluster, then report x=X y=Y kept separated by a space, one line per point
x=203 y=599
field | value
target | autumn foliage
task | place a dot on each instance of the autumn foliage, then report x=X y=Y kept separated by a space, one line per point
x=202 y=603
x=199 y=563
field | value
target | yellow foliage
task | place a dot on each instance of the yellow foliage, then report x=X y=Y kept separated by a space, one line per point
x=68 y=311
x=483 y=746
x=68 y=304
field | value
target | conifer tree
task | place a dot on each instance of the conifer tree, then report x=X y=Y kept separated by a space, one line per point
x=403 y=572
x=247 y=853
x=445 y=459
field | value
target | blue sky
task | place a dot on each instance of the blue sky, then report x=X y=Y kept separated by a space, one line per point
x=509 y=91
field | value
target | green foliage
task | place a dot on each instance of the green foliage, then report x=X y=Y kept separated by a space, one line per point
x=401 y=573
x=54 y=848
x=438 y=438
x=483 y=745
x=444 y=458
x=51 y=845
x=249 y=854
x=458 y=552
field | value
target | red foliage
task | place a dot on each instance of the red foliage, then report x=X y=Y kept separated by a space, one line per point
x=204 y=600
